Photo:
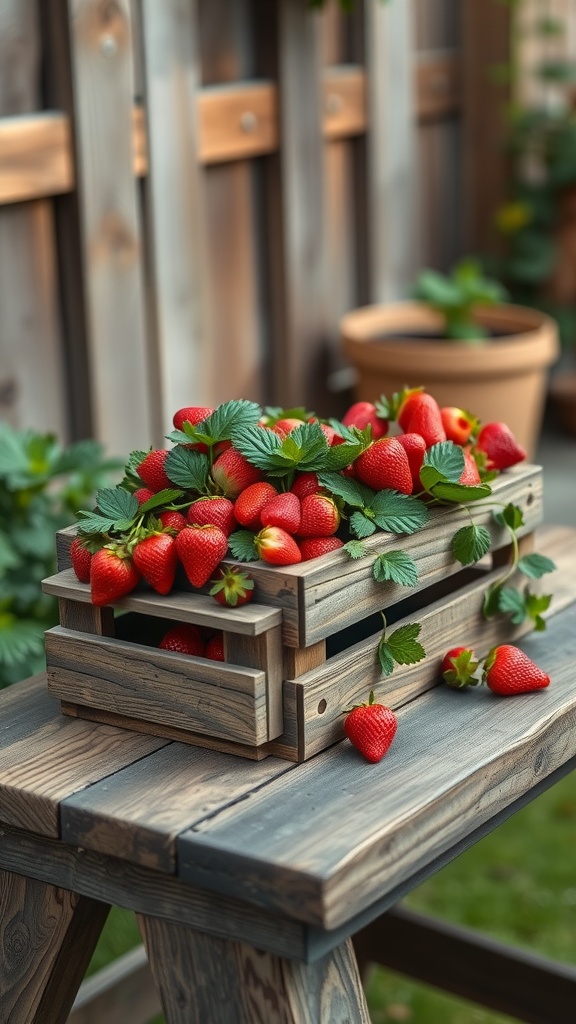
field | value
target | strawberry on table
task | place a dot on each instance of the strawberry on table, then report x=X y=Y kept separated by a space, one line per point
x=371 y=727
x=213 y=510
x=314 y=547
x=501 y=448
x=509 y=671
x=282 y=510
x=385 y=465
x=112 y=575
x=201 y=549
x=251 y=501
x=81 y=559
x=320 y=516
x=183 y=639
x=156 y=558
x=277 y=547
x=152 y=472
x=233 y=473
x=458 y=667
x=233 y=587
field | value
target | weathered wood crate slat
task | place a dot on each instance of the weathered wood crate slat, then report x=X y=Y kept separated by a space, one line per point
x=295 y=659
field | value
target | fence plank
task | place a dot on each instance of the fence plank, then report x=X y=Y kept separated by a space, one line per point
x=117 y=345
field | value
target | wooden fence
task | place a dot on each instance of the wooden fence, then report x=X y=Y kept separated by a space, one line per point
x=192 y=192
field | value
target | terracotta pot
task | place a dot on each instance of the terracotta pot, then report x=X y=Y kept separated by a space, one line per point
x=500 y=379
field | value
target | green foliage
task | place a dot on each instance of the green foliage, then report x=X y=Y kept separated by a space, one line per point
x=42 y=485
x=456 y=297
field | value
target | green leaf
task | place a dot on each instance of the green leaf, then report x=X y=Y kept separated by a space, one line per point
x=510 y=516
x=115 y=503
x=396 y=567
x=160 y=499
x=8 y=556
x=305 y=448
x=91 y=522
x=350 y=490
x=460 y=492
x=241 y=544
x=491 y=603
x=447 y=459
x=19 y=638
x=385 y=658
x=341 y=455
x=535 y=565
x=398 y=513
x=188 y=469
x=402 y=647
x=361 y=526
x=229 y=418
x=13 y=452
x=470 y=544
x=512 y=602
x=535 y=604
x=355 y=549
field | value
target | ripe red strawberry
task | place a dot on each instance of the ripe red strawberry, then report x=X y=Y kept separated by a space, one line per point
x=215 y=648
x=305 y=484
x=457 y=423
x=251 y=501
x=172 y=521
x=201 y=549
x=508 y=671
x=143 y=494
x=425 y=419
x=470 y=474
x=112 y=575
x=183 y=639
x=233 y=473
x=371 y=728
x=193 y=414
x=286 y=425
x=408 y=401
x=320 y=516
x=385 y=464
x=500 y=446
x=415 y=447
x=360 y=414
x=218 y=511
x=313 y=547
x=277 y=547
x=458 y=667
x=233 y=587
x=156 y=559
x=282 y=510
x=151 y=470
x=81 y=559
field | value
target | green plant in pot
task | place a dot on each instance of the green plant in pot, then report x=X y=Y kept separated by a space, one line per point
x=461 y=341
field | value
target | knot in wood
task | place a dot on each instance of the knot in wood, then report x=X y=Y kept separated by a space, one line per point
x=16 y=941
x=115 y=241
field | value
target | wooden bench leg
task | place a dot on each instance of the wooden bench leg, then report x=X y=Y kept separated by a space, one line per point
x=205 y=980
x=47 y=937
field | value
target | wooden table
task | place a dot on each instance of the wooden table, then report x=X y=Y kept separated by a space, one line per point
x=248 y=878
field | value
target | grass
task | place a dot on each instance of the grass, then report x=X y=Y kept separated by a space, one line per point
x=518 y=884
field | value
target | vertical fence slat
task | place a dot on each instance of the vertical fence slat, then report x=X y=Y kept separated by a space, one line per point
x=174 y=202
x=391 y=146
x=31 y=368
x=118 y=357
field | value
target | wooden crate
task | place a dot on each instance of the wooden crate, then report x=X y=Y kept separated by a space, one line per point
x=297 y=657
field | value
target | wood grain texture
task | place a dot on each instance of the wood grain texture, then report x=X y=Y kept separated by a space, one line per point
x=148 y=892
x=205 y=979
x=36 y=156
x=47 y=937
x=225 y=701
x=86 y=617
x=286 y=842
x=263 y=652
x=123 y=990
x=137 y=814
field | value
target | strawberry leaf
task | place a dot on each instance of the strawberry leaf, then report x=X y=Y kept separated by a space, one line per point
x=241 y=544
x=341 y=455
x=491 y=603
x=355 y=549
x=535 y=565
x=361 y=526
x=447 y=459
x=470 y=544
x=161 y=498
x=188 y=469
x=116 y=503
x=92 y=522
x=351 y=491
x=511 y=516
x=398 y=513
x=304 y=448
x=401 y=647
x=229 y=418
x=511 y=601
x=535 y=604
x=395 y=567
x=459 y=492
x=385 y=658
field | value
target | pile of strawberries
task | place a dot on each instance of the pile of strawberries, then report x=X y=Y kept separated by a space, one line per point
x=246 y=482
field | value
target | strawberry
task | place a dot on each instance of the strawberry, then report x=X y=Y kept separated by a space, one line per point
x=304 y=484
x=232 y=588
x=215 y=511
x=81 y=559
x=277 y=547
x=250 y=502
x=151 y=470
x=201 y=549
x=233 y=473
x=156 y=559
x=183 y=639
x=508 y=671
x=282 y=510
x=215 y=648
x=362 y=414
x=371 y=728
x=193 y=414
x=172 y=521
x=408 y=400
x=502 y=449
x=457 y=423
x=320 y=516
x=415 y=447
x=458 y=667
x=143 y=494
x=385 y=464
x=425 y=419
x=313 y=547
x=112 y=575
x=470 y=474
x=286 y=425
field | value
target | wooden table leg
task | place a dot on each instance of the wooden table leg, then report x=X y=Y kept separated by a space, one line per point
x=47 y=936
x=206 y=980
